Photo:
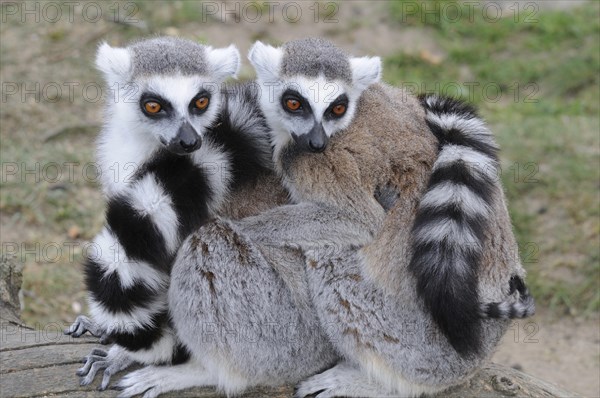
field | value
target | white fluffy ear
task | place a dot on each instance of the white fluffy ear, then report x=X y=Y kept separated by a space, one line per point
x=114 y=63
x=225 y=62
x=365 y=71
x=266 y=60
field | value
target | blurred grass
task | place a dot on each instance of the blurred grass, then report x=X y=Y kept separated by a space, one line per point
x=542 y=69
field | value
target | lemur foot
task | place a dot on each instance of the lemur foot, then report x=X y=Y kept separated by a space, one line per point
x=84 y=324
x=112 y=362
x=155 y=380
x=343 y=380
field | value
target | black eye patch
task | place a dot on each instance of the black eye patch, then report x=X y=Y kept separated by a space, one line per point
x=165 y=106
x=196 y=109
x=292 y=95
x=342 y=99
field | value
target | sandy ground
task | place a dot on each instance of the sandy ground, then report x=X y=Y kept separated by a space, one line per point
x=563 y=352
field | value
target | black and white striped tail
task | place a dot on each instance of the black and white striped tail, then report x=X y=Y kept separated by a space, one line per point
x=127 y=274
x=523 y=307
x=452 y=217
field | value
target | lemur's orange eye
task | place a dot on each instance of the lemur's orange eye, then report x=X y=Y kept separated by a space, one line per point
x=152 y=107
x=201 y=103
x=292 y=104
x=339 y=109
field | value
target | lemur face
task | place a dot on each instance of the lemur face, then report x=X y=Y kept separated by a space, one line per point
x=176 y=110
x=167 y=91
x=310 y=90
x=310 y=110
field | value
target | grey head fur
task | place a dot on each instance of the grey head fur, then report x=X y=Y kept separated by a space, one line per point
x=314 y=56
x=167 y=56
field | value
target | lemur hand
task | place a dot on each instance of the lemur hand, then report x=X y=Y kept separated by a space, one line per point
x=84 y=324
x=387 y=196
x=113 y=361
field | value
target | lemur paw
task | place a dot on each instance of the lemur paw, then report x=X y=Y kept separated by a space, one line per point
x=322 y=389
x=84 y=324
x=112 y=362
x=155 y=380
x=146 y=380
x=311 y=387
x=323 y=385
x=343 y=380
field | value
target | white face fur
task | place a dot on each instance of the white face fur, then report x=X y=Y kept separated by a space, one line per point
x=170 y=111
x=324 y=107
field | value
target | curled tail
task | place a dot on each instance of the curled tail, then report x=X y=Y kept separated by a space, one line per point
x=452 y=217
x=523 y=307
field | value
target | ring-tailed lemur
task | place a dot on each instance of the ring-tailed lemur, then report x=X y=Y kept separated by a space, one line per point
x=175 y=145
x=455 y=209
x=459 y=259
x=357 y=184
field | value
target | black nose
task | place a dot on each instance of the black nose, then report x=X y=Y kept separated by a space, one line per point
x=186 y=141
x=317 y=139
x=190 y=145
x=317 y=145
x=314 y=141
